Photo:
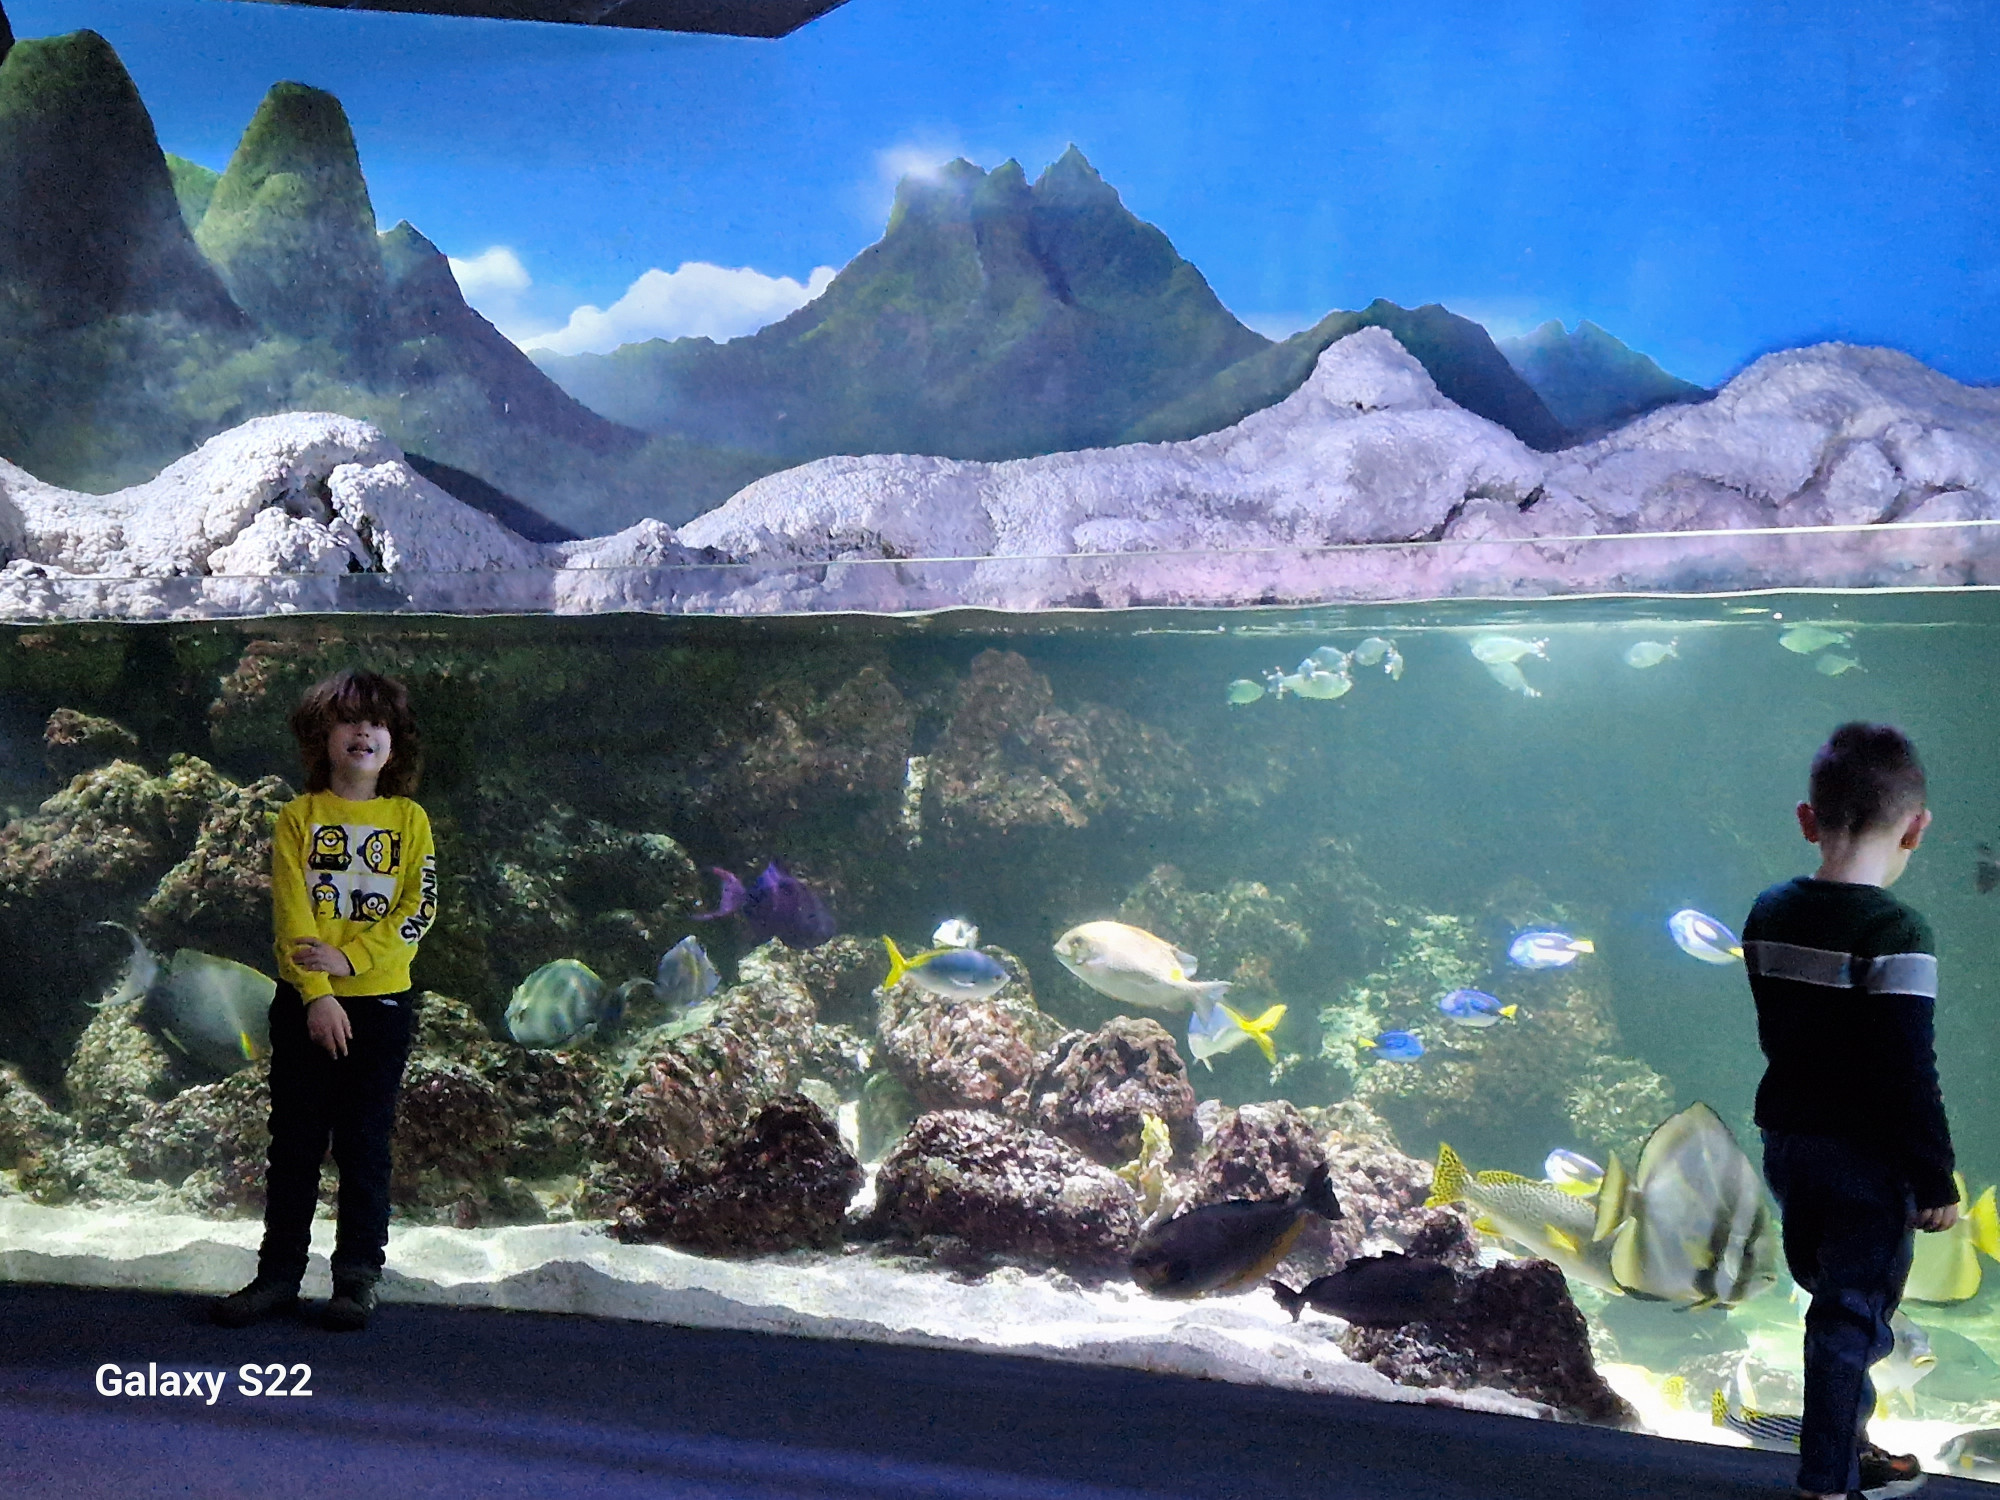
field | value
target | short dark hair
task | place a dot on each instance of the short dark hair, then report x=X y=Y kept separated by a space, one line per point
x=1864 y=776
x=352 y=696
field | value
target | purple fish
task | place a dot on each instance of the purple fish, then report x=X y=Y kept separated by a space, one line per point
x=779 y=905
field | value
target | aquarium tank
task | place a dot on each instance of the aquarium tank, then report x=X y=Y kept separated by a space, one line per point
x=994 y=788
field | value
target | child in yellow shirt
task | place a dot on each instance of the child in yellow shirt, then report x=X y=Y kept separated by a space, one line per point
x=353 y=890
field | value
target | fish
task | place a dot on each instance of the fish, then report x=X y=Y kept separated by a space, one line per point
x=1986 y=870
x=1542 y=1218
x=1243 y=690
x=1803 y=640
x=1545 y=948
x=1509 y=677
x=1223 y=1247
x=1770 y=1430
x=1945 y=1266
x=1282 y=682
x=1697 y=1229
x=685 y=977
x=1373 y=651
x=1494 y=649
x=1965 y=1371
x=1131 y=965
x=956 y=933
x=1394 y=1046
x=1376 y=1291
x=1910 y=1359
x=955 y=973
x=1700 y=936
x=1224 y=1030
x=1976 y=1451
x=1573 y=1172
x=1324 y=686
x=779 y=905
x=1833 y=664
x=1475 y=1008
x=1649 y=653
x=561 y=1002
x=214 y=1011
x=1325 y=659
x=1393 y=664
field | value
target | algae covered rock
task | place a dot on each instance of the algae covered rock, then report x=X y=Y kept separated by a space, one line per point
x=1383 y=1192
x=1614 y=1104
x=220 y=893
x=1246 y=933
x=1094 y=1091
x=209 y=1141
x=783 y=1183
x=73 y=742
x=118 y=1071
x=975 y=1185
x=1515 y=1327
x=966 y=1054
x=30 y=1128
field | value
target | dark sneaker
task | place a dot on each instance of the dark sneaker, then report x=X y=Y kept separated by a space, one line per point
x=1885 y=1475
x=352 y=1302
x=260 y=1300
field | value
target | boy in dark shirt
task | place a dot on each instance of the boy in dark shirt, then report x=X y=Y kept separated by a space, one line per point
x=1856 y=1147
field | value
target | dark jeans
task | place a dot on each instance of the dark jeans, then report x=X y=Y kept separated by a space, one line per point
x=348 y=1102
x=1848 y=1237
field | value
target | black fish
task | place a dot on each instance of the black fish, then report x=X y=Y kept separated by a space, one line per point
x=779 y=905
x=1986 y=873
x=1227 y=1245
x=1382 y=1291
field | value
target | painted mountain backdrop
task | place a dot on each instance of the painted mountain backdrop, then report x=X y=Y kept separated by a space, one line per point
x=147 y=303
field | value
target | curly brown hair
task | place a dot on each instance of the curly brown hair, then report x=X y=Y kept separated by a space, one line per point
x=352 y=696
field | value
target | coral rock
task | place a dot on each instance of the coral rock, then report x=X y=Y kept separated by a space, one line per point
x=210 y=1141
x=222 y=889
x=118 y=1072
x=73 y=742
x=1093 y=1091
x=29 y=1127
x=1515 y=1327
x=783 y=1184
x=1262 y=1152
x=999 y=1189
x=966 y=1054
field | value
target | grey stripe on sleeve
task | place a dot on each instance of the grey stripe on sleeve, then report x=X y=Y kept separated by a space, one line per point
x=1889 y=974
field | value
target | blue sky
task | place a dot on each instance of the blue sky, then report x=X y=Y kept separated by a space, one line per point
x=1708 y=181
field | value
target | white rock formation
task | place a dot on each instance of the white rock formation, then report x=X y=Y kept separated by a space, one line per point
x=1366 y=450
x=574 y=1268
x=1833 y=466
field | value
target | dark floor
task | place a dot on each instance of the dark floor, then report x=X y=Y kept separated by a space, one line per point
x=440 y=1402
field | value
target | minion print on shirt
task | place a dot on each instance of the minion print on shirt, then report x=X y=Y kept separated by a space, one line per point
x=354 y=870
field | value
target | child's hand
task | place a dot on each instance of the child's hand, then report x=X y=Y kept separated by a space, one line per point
x=327 y=1024
x=1932 y=1220
x=319 y=957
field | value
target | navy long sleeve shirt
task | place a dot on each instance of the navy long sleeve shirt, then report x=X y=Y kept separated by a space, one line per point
x=1845 y=979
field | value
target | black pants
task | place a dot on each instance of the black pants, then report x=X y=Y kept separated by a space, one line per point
x=1848 y=1237
x=348 y=1102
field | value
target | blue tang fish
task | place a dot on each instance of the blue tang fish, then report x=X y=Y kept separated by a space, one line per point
x=1396 y=1046
x=1225 y=1029
x=1573 y=1172
x=779 y=905
x=955 y=973
x=1475 y=1008
x=1701 y=936
x=1545 y=949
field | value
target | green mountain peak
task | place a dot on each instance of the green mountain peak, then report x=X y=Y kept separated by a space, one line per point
x=1590 y=379
x=290 y=226
x=89 y=223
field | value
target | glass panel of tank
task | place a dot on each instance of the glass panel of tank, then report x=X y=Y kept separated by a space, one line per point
x=968 y=950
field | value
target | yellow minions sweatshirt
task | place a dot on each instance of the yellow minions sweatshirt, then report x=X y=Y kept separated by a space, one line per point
x=359 y=875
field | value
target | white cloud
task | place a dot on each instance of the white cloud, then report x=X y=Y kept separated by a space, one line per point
x=720 y=302
x=497 y=272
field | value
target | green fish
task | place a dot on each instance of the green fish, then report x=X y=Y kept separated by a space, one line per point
x=1509 y=677
x=1323 y=685
x=1543 y=1218
x=1243 y=690
x=1833 y=664
x=1490 y=649
x=212 y=1010
x=1697 y=1229
x=1649 y=653
x=1806 y=639
x=563 y=1001
x=1373 y=651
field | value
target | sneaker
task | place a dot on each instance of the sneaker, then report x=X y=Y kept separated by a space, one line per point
x=254 y=1303
x=1885 y=1474
x=352 y=1302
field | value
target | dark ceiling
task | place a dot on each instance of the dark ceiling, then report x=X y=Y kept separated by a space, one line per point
x=720 y=17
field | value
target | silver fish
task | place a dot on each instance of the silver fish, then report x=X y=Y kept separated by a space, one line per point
x=212 y=1010
x=1506 y=648
x=1698 y=1230
x=1509 y=677
x=685 y=977
x=1371 y=651
x=561 y=1002
x=1644 y=654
